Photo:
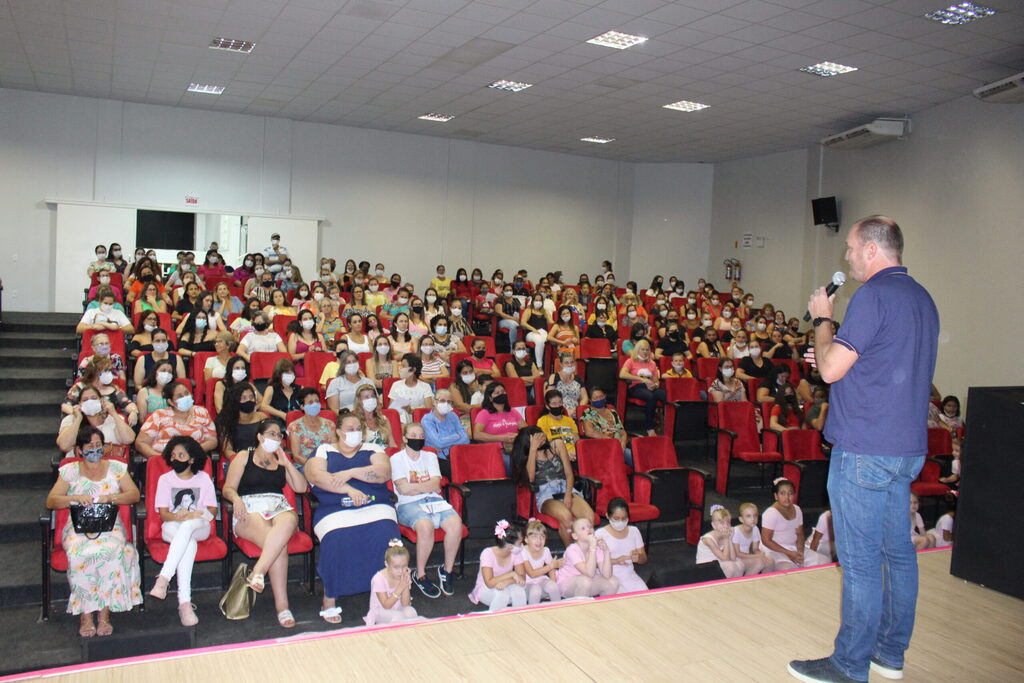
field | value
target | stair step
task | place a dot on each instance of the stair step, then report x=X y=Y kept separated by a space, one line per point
x=19 y=514
x=37 y=379
x=30 y=317
x=43 y=327
x=30 y=431
x=36 y=358
x=25 y=468
x=37 y=340
x=31 y=403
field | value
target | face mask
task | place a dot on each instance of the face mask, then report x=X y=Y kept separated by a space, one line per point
x=259 y=270
x=185 y=403
x=379 y=271
x=106 y=308
x=497 y=280
x=415 y=444
x=568 y=369
x=163 y=378
x=303 y=293
x=248 y=407
x=103 y=349
x=599 y=403
x=213 y=260
x=566 y=318
x=248 y=263
x=761 y=327
x=602 y=323
x=106 y=377
x=149 y=328
x=442 y=330
x=374 y=288
x=287 y=272
x=353 y=439
x=508 y=295
x=238 y=374
x=705 y=323
x=179 y=466
x=462 y=278
x=403 y=300
x=500 y=401
x=727 y=314
x=349 y=269
x=431 y=298
x=678 y=368
x=271 y=445
x=260 y=326
x=104 y=279
x=352 y=368
x=556 y=410
x=308 y=324
x=728 y=372
x=618 y=524
x=200 y=323
x=444 y=408
x=287 y=378
x=417 y=309
x=91 y=407
x=101 y=255
x=275 y=242
x=601 y=307
x=267 y=284
x=479 y=353
x=691 y=301
x=396 y=283
x=405 y=373
x=369 y=404
x=92 y=454
x=538 y=304
x=755 y=351
x=521 y=353
x=631 y=315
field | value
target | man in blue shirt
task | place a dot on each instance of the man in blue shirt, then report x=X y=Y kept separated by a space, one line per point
x=443 y=429
x=880 y=367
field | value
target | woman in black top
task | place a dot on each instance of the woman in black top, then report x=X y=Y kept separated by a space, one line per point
x=754 y=366
x=536 y=320
x=197 y=335
x=159 y=351
x=280 y=397
x=523 y=367
x=261 y=513
x=238 y=420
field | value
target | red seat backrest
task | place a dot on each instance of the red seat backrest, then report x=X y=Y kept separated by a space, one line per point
x=682 y=389
x=738 y=416
x=602 y=459
x=442 y=383
x=262 y=363
x=281 y=325
x=515 y=389
x=455 y=358
x=316 y=361
x=794 y=369
x=386 y=389
x=533 y=414
x=653 y=452
x=940 y=441
x=471 y=462
x=596 y=348
x=802 y=444
x=196 y=368
x=395 y=421
x=707 y=368
x=294 y=415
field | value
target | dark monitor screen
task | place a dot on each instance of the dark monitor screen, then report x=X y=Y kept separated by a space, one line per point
x=165 y=229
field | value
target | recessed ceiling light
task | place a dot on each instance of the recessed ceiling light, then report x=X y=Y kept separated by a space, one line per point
x=206 y=89
x=960 y=14
x=826 y=69
x=437 y=117
x=620 y=41
x=600 y=141
x=511 y=86
x=232 y=45
x=686 y=105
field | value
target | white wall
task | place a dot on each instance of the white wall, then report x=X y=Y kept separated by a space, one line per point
x=955 y=188
x=80 y=229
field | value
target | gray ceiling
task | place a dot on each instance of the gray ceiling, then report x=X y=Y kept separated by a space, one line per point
x=382 y=63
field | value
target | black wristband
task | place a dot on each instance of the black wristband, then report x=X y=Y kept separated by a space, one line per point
x=818 y=321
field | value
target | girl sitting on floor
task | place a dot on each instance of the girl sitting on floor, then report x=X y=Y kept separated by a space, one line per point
x=716 y=545
x=587 y=565
x=540 y=568
x=498 y=583
x=746 y=539
x=390 y=599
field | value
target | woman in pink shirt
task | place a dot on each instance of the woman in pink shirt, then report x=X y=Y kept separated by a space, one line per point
x=641 y=374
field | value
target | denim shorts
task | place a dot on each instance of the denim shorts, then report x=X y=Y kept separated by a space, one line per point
x=410 y=513
x=549 y=490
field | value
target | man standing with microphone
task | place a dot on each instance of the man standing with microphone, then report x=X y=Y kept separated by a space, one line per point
x=880 y=367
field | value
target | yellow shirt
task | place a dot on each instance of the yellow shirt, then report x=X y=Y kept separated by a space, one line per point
x=671 y=372
x=563 y=428
x=329 y=373
x=375 y=299
x=442 y=285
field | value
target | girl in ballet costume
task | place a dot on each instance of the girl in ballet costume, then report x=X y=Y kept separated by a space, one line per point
x=587 y=565
x=498 y=583
x=626 y=546
x=822 y=539
x=942 y=535
x=540 y=568
x=746 y=541
x=390 y=599
x=716 y=545
x=917 y=528
x=782 y=530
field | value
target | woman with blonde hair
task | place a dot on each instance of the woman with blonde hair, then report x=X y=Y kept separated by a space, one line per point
x=376 y=427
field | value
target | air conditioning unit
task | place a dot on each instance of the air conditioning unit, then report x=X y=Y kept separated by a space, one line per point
x=1005 y=91
x=879 y=130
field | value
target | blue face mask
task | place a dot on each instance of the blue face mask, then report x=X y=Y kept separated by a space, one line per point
x=92 y=454
x=185 y=403
x=312 y=409
x=599 y=403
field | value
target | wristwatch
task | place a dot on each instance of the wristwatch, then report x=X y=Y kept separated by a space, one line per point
x=818 y=321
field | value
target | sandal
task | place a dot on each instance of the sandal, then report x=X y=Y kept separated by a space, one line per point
x=332 y=615
x=87 y=630
x=104 y=628
x=159 y=590
x=286 y=618
x=256 y=582
x=187 y=614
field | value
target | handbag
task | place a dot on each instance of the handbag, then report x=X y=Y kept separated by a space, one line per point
x=239 y=598
x=93 y=520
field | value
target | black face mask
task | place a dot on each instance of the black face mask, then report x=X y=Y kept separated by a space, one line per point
x=180 y=466
x=267 y=284
x=479 y=353
x=417 y=310
x=416 y=444
x=247 y=406
x=260 y=326
x=557 y=410
x=500 y=401
x=673 y=334
x=396 y=283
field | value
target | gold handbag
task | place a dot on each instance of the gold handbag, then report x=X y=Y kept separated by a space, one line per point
x=239 y=598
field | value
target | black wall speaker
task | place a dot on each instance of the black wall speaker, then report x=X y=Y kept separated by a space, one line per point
x=988 y=508
x=825 y=211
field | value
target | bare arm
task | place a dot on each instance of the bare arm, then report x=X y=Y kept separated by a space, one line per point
x=832 y=360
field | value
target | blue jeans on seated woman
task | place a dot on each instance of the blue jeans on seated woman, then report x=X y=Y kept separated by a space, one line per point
x=870 y=497
x=650 y=399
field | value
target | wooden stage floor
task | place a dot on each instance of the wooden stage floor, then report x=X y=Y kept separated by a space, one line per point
x=741 y=630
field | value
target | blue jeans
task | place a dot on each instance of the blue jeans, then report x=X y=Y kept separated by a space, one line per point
x=512 y=327
x=870 y=497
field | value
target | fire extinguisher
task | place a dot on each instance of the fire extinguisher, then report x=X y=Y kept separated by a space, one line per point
x=736 y=270
x=728 y=268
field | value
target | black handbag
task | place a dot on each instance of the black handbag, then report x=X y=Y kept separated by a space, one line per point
x=93 y=520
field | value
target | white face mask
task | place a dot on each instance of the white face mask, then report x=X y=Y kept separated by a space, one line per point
x=431 y=298
x=761 y=327
x=353 y=439
x=106 y=308
x=618 y=524
x=538 y=304
x=308 y=324
x=383 y=350
x=248 y=263
x=379 y=271
x=163 y=378
x=287 y=378
x=427 y=349
x=521 y=353
x=275 y=242
x=691 y=316
x=728 y=372
x=369 y=404
x=160 y=347
x=631 y=315
x=469 y=378
x=91 y=407
x=374 y=288
x=755 y=351
x=238 y=374
x=726 y=314
x=351 y=368
x=259 y=270
x=271 y=445
x=444 y=408
x=678 y=367
x=106 y=377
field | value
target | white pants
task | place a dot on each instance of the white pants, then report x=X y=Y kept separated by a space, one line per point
x=535 y=592
x=538 y=338
x=499 y=598
x=184 y=538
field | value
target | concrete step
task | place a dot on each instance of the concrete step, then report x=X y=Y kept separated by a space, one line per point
x=25 y=468
x=41 y=326
x=38 y=340
x=36 y=379
x=30 y=431
x=36 y=358
x=31 y=403
x=19 y=514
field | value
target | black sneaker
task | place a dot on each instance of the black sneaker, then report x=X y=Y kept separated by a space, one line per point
x=445 y=579
x=427 y=587
x=818 y=671
x=885 y=671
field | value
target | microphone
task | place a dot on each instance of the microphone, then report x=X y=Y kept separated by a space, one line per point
x=838 y=280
